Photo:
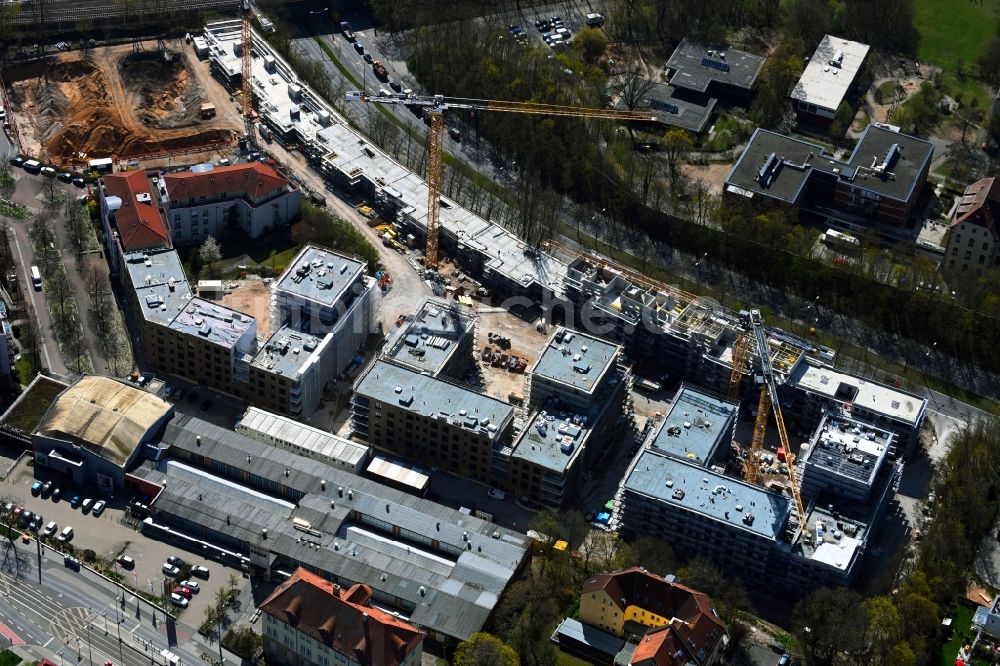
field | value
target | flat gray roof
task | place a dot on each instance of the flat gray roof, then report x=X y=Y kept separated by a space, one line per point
x=213 y=322
x=312 y=441
x=696 y=65
x=463 y=578
x=702 y=491
x=778 y=166
x=415 y=392
x=671 y=106
x=576 y=359
x=695 y=426
x=429 y=339
x=287 y=351
x=848 y=448
x=320 y=275
x=827 y=543
x=159 y=282
x=553 y=440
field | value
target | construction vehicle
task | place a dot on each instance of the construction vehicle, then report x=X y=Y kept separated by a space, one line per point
x=345 y=30
x=436 y=105
x=380 y=70
x=768 y=402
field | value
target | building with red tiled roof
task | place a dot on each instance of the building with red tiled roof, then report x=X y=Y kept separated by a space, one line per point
x=971 y=241
x=310 y=621
x=678 y=624
x=251 y=195
x=131 y=218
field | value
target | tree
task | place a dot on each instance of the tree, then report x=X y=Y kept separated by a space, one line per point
x=808 y=20
x=14 y=561
x=61 y=290
x=210 y=252
x=773 y=87
x=842 y=120
x=967 y=116
x=828 y=622
x=901 y=655
x=632 y=88
x=591 y=43
x=729 y=595
x=676 y=145
x=870 y=22
x=885 y=626
x=654 y=554
x=484 y=649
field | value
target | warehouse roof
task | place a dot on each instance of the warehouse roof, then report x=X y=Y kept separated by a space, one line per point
x=309 y=441
x=106 y=416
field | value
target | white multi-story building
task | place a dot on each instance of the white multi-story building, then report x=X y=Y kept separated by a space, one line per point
x=251 y=196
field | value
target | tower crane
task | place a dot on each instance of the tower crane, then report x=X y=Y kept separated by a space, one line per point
x=437 y=104
x=768 y=402
x=246 y=46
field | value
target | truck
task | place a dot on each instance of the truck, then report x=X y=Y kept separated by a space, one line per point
x=380 y=70
x=345 y=30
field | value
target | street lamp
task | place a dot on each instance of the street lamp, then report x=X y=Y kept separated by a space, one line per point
x=60 y=657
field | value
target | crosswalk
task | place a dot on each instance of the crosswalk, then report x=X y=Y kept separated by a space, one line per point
x=67 y=623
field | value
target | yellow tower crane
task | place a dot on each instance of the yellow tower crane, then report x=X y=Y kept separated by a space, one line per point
x=437 y=104
x=769 y=403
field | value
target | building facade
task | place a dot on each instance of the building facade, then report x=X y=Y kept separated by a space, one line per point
x=971 y=240
x=309 y=621
x=250 y=196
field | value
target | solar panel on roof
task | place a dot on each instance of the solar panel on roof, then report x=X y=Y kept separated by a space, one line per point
x=715 y=64
x=664 y=106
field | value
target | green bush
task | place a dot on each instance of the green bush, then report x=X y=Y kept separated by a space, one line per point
x=245 y=642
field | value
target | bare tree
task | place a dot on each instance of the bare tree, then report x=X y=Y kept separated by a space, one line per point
x=14 y=562
x=632 y=88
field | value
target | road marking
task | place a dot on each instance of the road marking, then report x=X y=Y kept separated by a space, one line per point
x=51 y=638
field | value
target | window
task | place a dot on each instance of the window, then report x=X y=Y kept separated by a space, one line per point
x=982 y=259
x=968 y=255
x=986 y=246
x=971 y=241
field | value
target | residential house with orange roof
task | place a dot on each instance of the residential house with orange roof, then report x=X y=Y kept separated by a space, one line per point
x=130 y=216
x=971 y=240
x=309 y=621
x=678 y=625
x=252 y=196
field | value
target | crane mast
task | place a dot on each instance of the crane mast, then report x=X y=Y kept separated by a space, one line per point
x=246 y=46
x=437 y=104
x=769 y=402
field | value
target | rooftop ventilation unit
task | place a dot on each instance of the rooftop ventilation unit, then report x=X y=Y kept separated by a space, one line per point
x=769 y=170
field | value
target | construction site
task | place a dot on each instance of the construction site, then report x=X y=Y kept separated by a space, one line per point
x=126 y=102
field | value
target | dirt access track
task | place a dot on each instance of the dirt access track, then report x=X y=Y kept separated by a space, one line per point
x=117 y=102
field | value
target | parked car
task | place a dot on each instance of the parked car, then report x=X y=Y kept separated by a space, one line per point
x=75 y=501
x=98 y=508
x=65 y=176
x=595 y=20
x=36 y=488
x=36 y=523
x=496 y=493
x=17 y=161
x=191 y=585
x=176 y=561
x=56 y=494
x=24 y=519
x=785 y=660
x=359 y=47
x=199 y=571
x=48 y=172
x=66 y=534
x=126 y=562
x=85 y=506
x=46 y=488
x=178 y=600
x=50 y=529
x=79 y=182
x=368 y=58
x=183 y=591
x=170 y=569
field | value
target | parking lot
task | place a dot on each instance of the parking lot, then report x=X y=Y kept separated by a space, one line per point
x=108 y=536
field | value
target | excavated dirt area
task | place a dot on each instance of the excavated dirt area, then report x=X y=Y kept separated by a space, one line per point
x=115 y=102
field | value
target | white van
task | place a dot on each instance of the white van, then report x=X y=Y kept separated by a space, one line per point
x=66 y=534
x=50 y=529
x=34 y=166
x=87 y=503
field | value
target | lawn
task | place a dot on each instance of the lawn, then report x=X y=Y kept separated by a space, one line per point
x=32 y=407
x=961 y=620
x=8 y=658
x=953 y=33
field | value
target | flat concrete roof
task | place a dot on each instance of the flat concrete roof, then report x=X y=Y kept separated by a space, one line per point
x=213 y=322
x=704 y=492
x=778 y=166
x=848 y=448
x=320 y=275
x=674 y=106
x=872 y=396
x=828 y=544
x=695 y=426
x=398 y=472
x=288 y=351
x=825 y=84
x=575 y=359
x=305 y=439
x=429 y=339
x=412 y=391
x=553 y=440
x=696 y=66
x=160 y=284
